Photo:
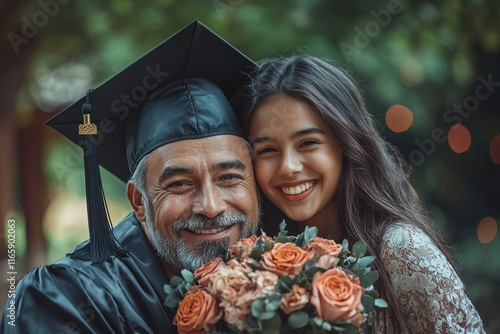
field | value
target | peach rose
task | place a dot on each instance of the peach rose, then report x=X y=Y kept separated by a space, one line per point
x=336 y=296
x=237 y=307
x=294 y=300
x=241 y=266
x=265 y=283
x=285 y=259
x=327 y=261
x=243 y=248
x=324 y=246
x=203 y=273
x=228 y=278
x=196 y=310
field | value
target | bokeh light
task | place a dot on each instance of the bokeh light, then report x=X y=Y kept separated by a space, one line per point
x=495 y=149
x=459 y=138
x=399 y=118
x=487 y=230
x=411 y=72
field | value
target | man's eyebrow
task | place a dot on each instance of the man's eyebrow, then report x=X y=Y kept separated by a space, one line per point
x=172 y=171
x=229 y=164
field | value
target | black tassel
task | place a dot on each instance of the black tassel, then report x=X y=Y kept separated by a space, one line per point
x=102 y=244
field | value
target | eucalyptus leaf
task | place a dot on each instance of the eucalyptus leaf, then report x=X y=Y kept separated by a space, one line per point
x=285 y=284
x=372 y=293
x=272 y=303
x=368 y=302
x=168 y=289
x=266 y=315
x=338 y=328
x=359 y=249
x=283 y=226
x=345 y=244
x=187 y=275
x=256 y=253
x=364 y=261
x=318 y=321
x=281 y=239
x=368 y=279
x=381 y=303
x=172 y=300
x=310 y=232
x=175 y=281
x=182 y=290
x=300 y=241
x=358 y=272
x=257 y=307
x=327 y=326
x=298 y=319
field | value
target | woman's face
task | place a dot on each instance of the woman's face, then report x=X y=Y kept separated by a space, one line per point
x=297 y=163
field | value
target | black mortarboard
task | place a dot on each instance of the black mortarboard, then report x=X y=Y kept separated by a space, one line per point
x=177 y=91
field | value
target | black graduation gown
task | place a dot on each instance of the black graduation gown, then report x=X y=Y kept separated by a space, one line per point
x=122 y=295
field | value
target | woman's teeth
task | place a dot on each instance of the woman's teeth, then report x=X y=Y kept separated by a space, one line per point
x=297 y=189
x=209 y=230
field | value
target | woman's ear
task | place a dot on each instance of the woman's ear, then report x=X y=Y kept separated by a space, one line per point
x=136 y=201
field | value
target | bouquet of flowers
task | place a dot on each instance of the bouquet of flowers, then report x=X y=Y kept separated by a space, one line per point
x=286 y=284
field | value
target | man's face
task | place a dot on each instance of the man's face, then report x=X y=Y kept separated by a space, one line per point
x=200 y=193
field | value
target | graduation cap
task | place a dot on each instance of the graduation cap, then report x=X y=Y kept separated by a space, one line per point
x=179 y=90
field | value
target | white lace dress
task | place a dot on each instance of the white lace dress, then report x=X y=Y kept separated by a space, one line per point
x=432 y=295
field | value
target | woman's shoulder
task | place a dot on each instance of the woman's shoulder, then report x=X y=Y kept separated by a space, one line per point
x=431 y=292
x=407 y=247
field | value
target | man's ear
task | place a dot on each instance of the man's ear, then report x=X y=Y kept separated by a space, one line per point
x=136 y=201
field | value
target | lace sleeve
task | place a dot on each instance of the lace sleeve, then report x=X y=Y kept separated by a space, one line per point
x=432 y=295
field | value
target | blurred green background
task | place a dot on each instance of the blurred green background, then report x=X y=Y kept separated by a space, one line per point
x=423 y=67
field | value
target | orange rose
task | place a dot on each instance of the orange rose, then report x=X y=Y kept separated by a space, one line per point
x=294 y=300
x=336 y=296
x=324 y=246
x=203 y=273
x=196 y=310
x=285 y=259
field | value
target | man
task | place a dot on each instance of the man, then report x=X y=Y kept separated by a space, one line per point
x=191 y=189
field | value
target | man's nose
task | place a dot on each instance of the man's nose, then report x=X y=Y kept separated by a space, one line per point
x=209 y=201
x=290 y=164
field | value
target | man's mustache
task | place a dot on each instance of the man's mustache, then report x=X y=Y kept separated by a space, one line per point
x=224 y=219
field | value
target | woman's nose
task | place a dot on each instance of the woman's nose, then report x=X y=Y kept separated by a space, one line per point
x=290 y=164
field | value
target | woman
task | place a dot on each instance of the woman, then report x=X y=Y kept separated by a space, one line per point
x=320 y=160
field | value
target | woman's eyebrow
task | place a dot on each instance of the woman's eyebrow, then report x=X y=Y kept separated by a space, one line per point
x=300 y=133
x=259 y=140
x=307 y=131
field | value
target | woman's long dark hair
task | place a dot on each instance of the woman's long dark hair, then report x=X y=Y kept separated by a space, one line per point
x=375 y=191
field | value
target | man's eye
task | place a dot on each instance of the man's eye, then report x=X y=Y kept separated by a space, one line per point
x=230 y=177
x=177 y=184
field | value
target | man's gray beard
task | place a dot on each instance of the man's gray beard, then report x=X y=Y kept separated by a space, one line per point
x=180 y=254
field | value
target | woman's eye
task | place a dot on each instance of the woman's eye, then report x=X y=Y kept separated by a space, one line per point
x=309 y=142
x=265 y=150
